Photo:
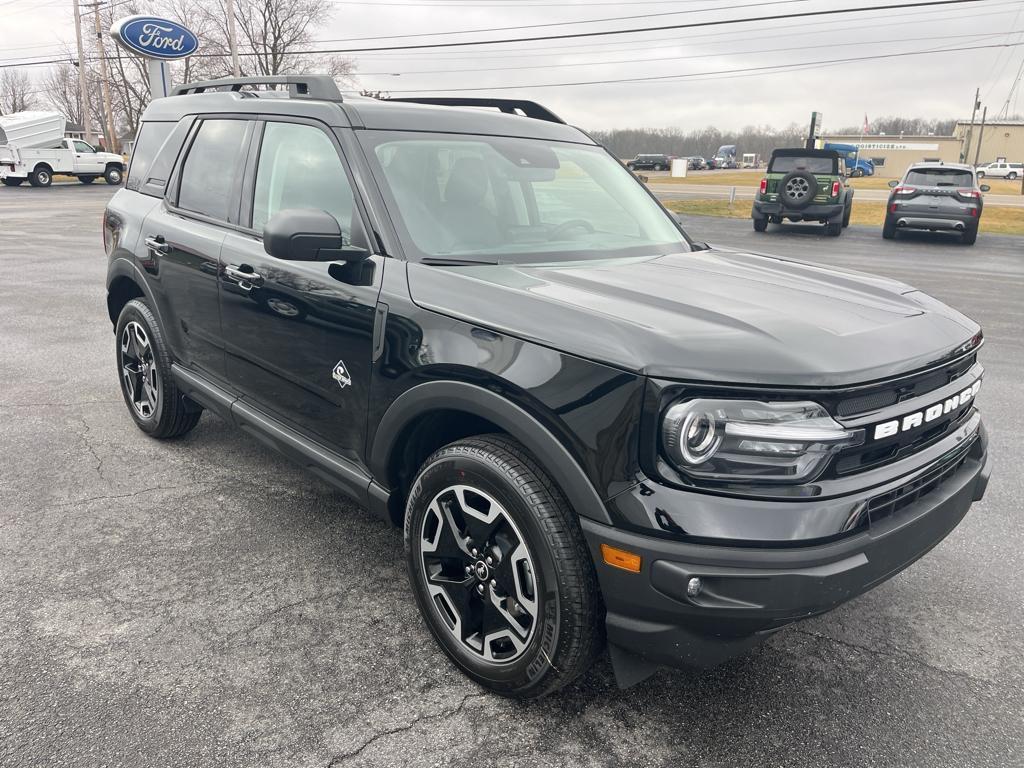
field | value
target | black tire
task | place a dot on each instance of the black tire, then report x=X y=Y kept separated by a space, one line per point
x=1012 y=176
x=503 y=482
x=981 y=174
x=113 y=175
x=171 y=414
x=846 y=215
x=969 y=236
x=833 y=229
x=889 y=228
x=796 y=190
x=41 y=176
x=760 y=225
x=87 y=179
x=12 y=182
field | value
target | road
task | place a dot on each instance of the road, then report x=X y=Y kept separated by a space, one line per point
x=205 y=603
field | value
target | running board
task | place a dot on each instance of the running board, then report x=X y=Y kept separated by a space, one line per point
x=319 y=460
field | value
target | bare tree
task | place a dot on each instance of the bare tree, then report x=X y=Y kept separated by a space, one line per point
x=17 y=93
x=60 y=89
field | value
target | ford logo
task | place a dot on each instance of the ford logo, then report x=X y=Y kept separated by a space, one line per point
x=155 y=37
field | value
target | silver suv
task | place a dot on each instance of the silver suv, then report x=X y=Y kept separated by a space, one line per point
x=934 y=197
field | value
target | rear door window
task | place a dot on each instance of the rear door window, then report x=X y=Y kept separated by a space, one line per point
x=213 y=168
x=820 y=165
x=151 y=137
x=939 y=177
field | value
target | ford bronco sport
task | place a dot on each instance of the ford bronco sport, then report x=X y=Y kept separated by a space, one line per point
x=804 y=185
x=478 y=324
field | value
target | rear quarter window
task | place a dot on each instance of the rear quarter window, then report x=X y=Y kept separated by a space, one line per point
x=212 y=168
x=151 y=137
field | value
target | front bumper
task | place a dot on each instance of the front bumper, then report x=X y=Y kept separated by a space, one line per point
x=749 y=592
x=816 y=211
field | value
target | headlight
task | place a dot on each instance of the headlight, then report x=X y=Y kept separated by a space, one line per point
x=747 y=440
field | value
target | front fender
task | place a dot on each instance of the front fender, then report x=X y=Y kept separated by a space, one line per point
x=517 y=422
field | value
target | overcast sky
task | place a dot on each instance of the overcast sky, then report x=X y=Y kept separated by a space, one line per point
x=936 y=85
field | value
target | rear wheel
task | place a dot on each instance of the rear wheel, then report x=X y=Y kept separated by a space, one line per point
x=500 y=569
x=1012 y=175
x=87 y=179
x=889 y=228
x=834 y=229
x=969 y=236
x=846 y=215
x=13 y=182
x=760 y=225
x=144 y=367
x=981 y=174
x=41 y=176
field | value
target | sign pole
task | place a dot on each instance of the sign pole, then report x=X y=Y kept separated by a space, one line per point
x=159 y=78
x=83 y=79
x=108 y=111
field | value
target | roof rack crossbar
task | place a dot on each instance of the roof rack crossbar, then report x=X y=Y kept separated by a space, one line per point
x=508 y=106
x=299 y=86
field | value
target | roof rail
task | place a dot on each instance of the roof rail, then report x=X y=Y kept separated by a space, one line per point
x=508 y=106
x=299 y=86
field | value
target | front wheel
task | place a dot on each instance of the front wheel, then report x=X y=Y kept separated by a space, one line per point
x=144 y=369
x=500 y=569
x=113 y=175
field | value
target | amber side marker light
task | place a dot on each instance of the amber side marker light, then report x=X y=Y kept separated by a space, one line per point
x=620 y=558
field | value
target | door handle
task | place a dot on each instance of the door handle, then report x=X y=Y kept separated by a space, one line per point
x=156 y=243
x=247 y=279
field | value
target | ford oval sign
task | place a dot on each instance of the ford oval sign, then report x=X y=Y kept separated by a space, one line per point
x=155 y=37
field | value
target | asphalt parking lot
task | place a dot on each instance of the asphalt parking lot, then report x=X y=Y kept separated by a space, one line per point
x=203 y=602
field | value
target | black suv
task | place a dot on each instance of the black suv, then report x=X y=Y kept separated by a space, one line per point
x=479 y=325
x=649 y=163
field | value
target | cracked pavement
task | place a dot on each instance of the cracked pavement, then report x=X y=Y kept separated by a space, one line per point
x=204 y=602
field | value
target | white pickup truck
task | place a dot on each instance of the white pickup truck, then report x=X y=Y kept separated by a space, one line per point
x=71 y=157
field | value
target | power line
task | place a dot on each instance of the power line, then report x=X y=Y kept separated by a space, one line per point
x=973 y=36
x=605 y=33
x=663 y=78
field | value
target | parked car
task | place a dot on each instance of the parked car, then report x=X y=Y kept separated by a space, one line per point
x=696 y=163
x=936 y=197
x=649 y=163
x=1001 y=170
x=33 y=148
x=589 y=427
x=804 y=185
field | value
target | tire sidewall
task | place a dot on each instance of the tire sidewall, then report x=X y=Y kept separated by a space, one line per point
x=113 y=176
x=530 y=671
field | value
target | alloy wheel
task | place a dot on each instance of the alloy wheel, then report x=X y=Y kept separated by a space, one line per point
x=797 y=188
x=479 y=573
x=139 y=370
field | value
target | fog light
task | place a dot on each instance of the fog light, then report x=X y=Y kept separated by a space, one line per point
x=694 y=586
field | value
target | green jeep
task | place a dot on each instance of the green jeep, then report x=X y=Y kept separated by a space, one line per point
x=804 y=185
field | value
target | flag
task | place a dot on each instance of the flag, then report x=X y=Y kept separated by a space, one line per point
x=867 y=126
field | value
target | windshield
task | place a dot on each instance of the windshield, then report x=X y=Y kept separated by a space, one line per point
x=785 y=164
x=940 y=177
x=508 y=200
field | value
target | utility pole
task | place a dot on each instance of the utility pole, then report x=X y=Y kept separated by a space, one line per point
x=966 y=154
x=233 y=38
x=105 y=83
x=981 y=136
x=83 y=78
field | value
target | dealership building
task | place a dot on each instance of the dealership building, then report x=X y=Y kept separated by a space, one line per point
x=892 y=154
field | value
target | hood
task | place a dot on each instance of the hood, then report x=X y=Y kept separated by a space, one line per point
x=715 y=315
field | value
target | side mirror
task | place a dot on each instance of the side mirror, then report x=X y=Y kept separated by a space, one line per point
x=984 y=187
x=894 y=183
x=305 y=234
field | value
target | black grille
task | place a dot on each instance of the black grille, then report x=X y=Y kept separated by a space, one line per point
x=892 y=502
x=904 y=389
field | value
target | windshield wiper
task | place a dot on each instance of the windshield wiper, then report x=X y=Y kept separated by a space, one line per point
x=453 y=261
